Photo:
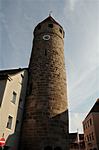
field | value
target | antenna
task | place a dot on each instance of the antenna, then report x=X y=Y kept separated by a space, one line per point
x=50 y=13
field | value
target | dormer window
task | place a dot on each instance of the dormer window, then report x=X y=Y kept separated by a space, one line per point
x=50 y=25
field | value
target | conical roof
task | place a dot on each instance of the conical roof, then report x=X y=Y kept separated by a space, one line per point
x=50 y=18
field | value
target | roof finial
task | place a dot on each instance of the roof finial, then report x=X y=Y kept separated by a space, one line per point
x=50 y=13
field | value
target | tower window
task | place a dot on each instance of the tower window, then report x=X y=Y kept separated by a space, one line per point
x=60 y=30
x=9 y=123
x=45 y=52
x=50 y=25
x=39 y=27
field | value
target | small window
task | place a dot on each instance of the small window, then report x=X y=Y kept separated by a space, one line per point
x=9 y=123
x=92 y=136
x=50 y=25
x=60 y=30
x=14 y=97
x=39 y=27
x=45 y=52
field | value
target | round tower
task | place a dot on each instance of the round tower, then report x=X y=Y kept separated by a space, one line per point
x=45 y=123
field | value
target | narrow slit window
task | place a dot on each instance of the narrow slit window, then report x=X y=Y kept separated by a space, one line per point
x=9 y=123
x=45 y=52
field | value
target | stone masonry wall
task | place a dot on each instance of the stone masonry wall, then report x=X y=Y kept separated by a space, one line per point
x=46 y=110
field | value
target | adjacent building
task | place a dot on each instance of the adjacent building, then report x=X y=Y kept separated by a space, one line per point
x=91 y=128
x=12 y=97
x=76 y=141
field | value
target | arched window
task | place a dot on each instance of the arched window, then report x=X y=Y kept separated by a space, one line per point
x=48 y=148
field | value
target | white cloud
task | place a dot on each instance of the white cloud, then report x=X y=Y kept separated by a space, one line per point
x=84 y=89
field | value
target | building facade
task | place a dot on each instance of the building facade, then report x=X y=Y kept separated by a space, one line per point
x=45 y=124
x=12 y=97
x=91 y=128
x=76 y=141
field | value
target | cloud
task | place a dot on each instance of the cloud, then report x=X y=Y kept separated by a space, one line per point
x=83 y=89
x=82 y=52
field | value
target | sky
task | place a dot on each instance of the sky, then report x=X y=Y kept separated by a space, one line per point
x=80 y=20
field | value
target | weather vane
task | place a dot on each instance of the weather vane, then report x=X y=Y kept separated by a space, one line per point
x=50 y=13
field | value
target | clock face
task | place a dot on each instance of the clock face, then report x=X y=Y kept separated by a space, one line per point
x=46 y=37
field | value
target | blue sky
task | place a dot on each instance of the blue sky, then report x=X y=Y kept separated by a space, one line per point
x=80 y=20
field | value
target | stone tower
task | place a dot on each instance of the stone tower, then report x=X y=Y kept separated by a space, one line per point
x=45 y=123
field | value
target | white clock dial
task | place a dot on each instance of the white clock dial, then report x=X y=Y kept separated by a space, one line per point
x=46 y=37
